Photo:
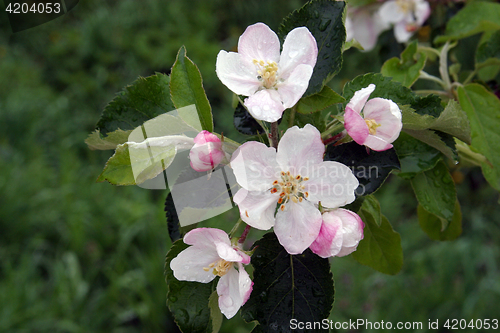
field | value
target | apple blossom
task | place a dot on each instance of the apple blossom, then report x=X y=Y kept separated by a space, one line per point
x=380 y=123
x=340 y=234
x=364 y=24
x=296 y=178
x=206 y=152
x=272 y=81
x=211 y=254
x=406 y=15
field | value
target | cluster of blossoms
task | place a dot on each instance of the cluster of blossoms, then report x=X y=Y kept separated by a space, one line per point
x=289 y=188
x=365 y=23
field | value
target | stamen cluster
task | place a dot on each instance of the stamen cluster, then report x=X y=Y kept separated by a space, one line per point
x=267 y=72
x=290 y=188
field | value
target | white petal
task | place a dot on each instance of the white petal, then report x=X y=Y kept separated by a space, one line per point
x=422 y=11
x=299 y=47
x=206 y=238
x=375 y=143
x=189 y=264
x=391 y=12
x=364 y=29
x=300 y=149
x=259 y=42
x=360 y=97
x=297 y=226
x=227 y=252
x=295 y=86
x=257 y=208
x=386 y=113
x=232 y=289
x=332 y=183
x=352 y=226
x=239 y=76
x=254 y=166
x=402 y=35
x=265 y=105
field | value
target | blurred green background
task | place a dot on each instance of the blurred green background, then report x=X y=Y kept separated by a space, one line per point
x=81 y=256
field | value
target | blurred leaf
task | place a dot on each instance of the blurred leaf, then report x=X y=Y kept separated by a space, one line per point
x=435 y=191
x=96 y=141
x=287 y=287
x=407 y=69
x=380 y=247
x=215 y=313
x=482 y=108
x=245 y=123
x=414 y=155
x=144 y=99
x=371 y=169
x=475 y=17
x=352 y=43
x=323 y=18
x=172 y=218
x=320 y=101
x=188 y=301
x=489 y=49
x=186 y=88
x=439 y=229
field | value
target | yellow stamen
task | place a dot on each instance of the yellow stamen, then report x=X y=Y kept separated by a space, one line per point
x=372 y=126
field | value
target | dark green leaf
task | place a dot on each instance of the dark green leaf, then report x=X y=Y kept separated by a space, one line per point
x=435 y=191
x=438 y=140
x=172 y=219
x=245 y=123
x=186 y=88
x=188 y=301
x=414 y=155
x=482 y=108
x=316 y=119
x=380 y=247
x=323 y=18
x=287 y=287
x=439 y=229
x=371 y=169
x=320 y=101
x=372 y=206
x=489 y=49
x=407 y=69
x=144 y=99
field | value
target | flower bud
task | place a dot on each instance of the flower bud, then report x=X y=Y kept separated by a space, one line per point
x=207 y=152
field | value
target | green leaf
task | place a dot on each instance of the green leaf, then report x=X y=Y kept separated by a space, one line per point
x=488 y=57
x=475 y=17
x=189 y=301
x=186 y=88
x=287 y=287
x=316 y=119
x=372 y=206
x=407 y=69
x=435 y=191
x=118 y=170
x=96 y=141
x=323 y=18
x=371 y=169
x=380 y=247
x=320 y=101
x=439 y=229
x=482 y=108
x=144 y=99
x=435 y=140
x=215 y=313
x=414 y=155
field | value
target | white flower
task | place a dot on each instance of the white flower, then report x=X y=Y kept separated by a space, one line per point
x=272 y=81
x=211 y=255
x=364 y=24
x=296 y=178
x=406 y=15
x=340 y=234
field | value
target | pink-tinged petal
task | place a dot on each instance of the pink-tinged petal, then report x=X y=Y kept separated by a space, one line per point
x=355 y=126
x=300 y=149
x=265 y=105
x=364 y=29
x=329 y=241
x=228 y=253
x=259 y=42
x=388 y=115
x=391 y=12
x=206 y=238
x=189 y=264
x=257 y=208
x=254 y=166
x=378 y=144
x=297 y=226
x=332 y=183
x=245 y=258
x=359 y=99
x=402 y=33
x=246 y=284
x=206 y=136
x=207 y=152
x=352 y=226
x=422 y=11
x=299 y=48
x=295 y=86
x=232 y=289
x=239 y=76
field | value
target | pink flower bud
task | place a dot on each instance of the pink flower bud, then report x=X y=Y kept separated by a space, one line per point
x=207 y=152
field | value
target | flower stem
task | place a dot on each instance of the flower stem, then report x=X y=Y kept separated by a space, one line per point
x=235 y=228
x=274 y=134
x=244 y=234
x=332 y=129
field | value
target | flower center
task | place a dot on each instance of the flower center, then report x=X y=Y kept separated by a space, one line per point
x=290 y=188
x=220 y=267
x=406 y=5
x=267 y=72
x=372 y=126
